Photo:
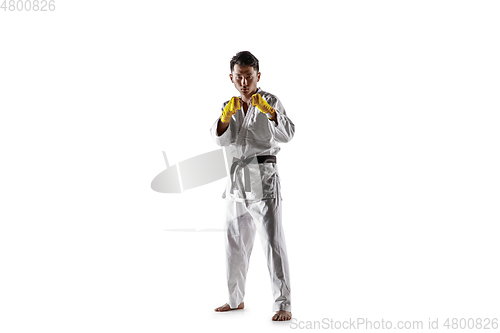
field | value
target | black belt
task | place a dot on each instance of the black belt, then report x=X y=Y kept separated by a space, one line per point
x=243 y=163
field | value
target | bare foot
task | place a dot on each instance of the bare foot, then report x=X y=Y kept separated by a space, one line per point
x=282 y=315
x=226 y=307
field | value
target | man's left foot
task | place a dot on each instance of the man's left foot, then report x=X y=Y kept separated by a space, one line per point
x=282 y=315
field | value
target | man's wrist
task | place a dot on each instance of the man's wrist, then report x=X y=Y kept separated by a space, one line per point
x=272 y=112
x=272 y=117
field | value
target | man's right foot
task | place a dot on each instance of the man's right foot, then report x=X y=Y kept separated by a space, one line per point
x=226 y=307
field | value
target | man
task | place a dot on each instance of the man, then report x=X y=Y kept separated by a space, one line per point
x=250 y=128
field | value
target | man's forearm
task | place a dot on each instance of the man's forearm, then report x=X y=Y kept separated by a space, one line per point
x=221 y=127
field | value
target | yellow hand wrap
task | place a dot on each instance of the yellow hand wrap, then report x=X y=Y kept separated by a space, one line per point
x=259 y=102
x=230 y=109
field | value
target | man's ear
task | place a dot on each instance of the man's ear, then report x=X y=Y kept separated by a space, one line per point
x=258 y=76
x=231 y=77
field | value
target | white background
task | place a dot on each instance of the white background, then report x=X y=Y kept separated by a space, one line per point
x=390 y=185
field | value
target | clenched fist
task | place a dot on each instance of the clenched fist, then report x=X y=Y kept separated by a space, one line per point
x=263 y=106
x=230 y=109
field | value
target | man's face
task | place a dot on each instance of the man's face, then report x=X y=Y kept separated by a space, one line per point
x=245 y=79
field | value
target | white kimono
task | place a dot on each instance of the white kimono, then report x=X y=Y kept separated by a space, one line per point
x=253 y=200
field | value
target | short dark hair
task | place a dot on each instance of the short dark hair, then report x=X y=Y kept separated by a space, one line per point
x=245 y=58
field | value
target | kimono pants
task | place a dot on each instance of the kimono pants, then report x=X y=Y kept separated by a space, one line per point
x=243 y=219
